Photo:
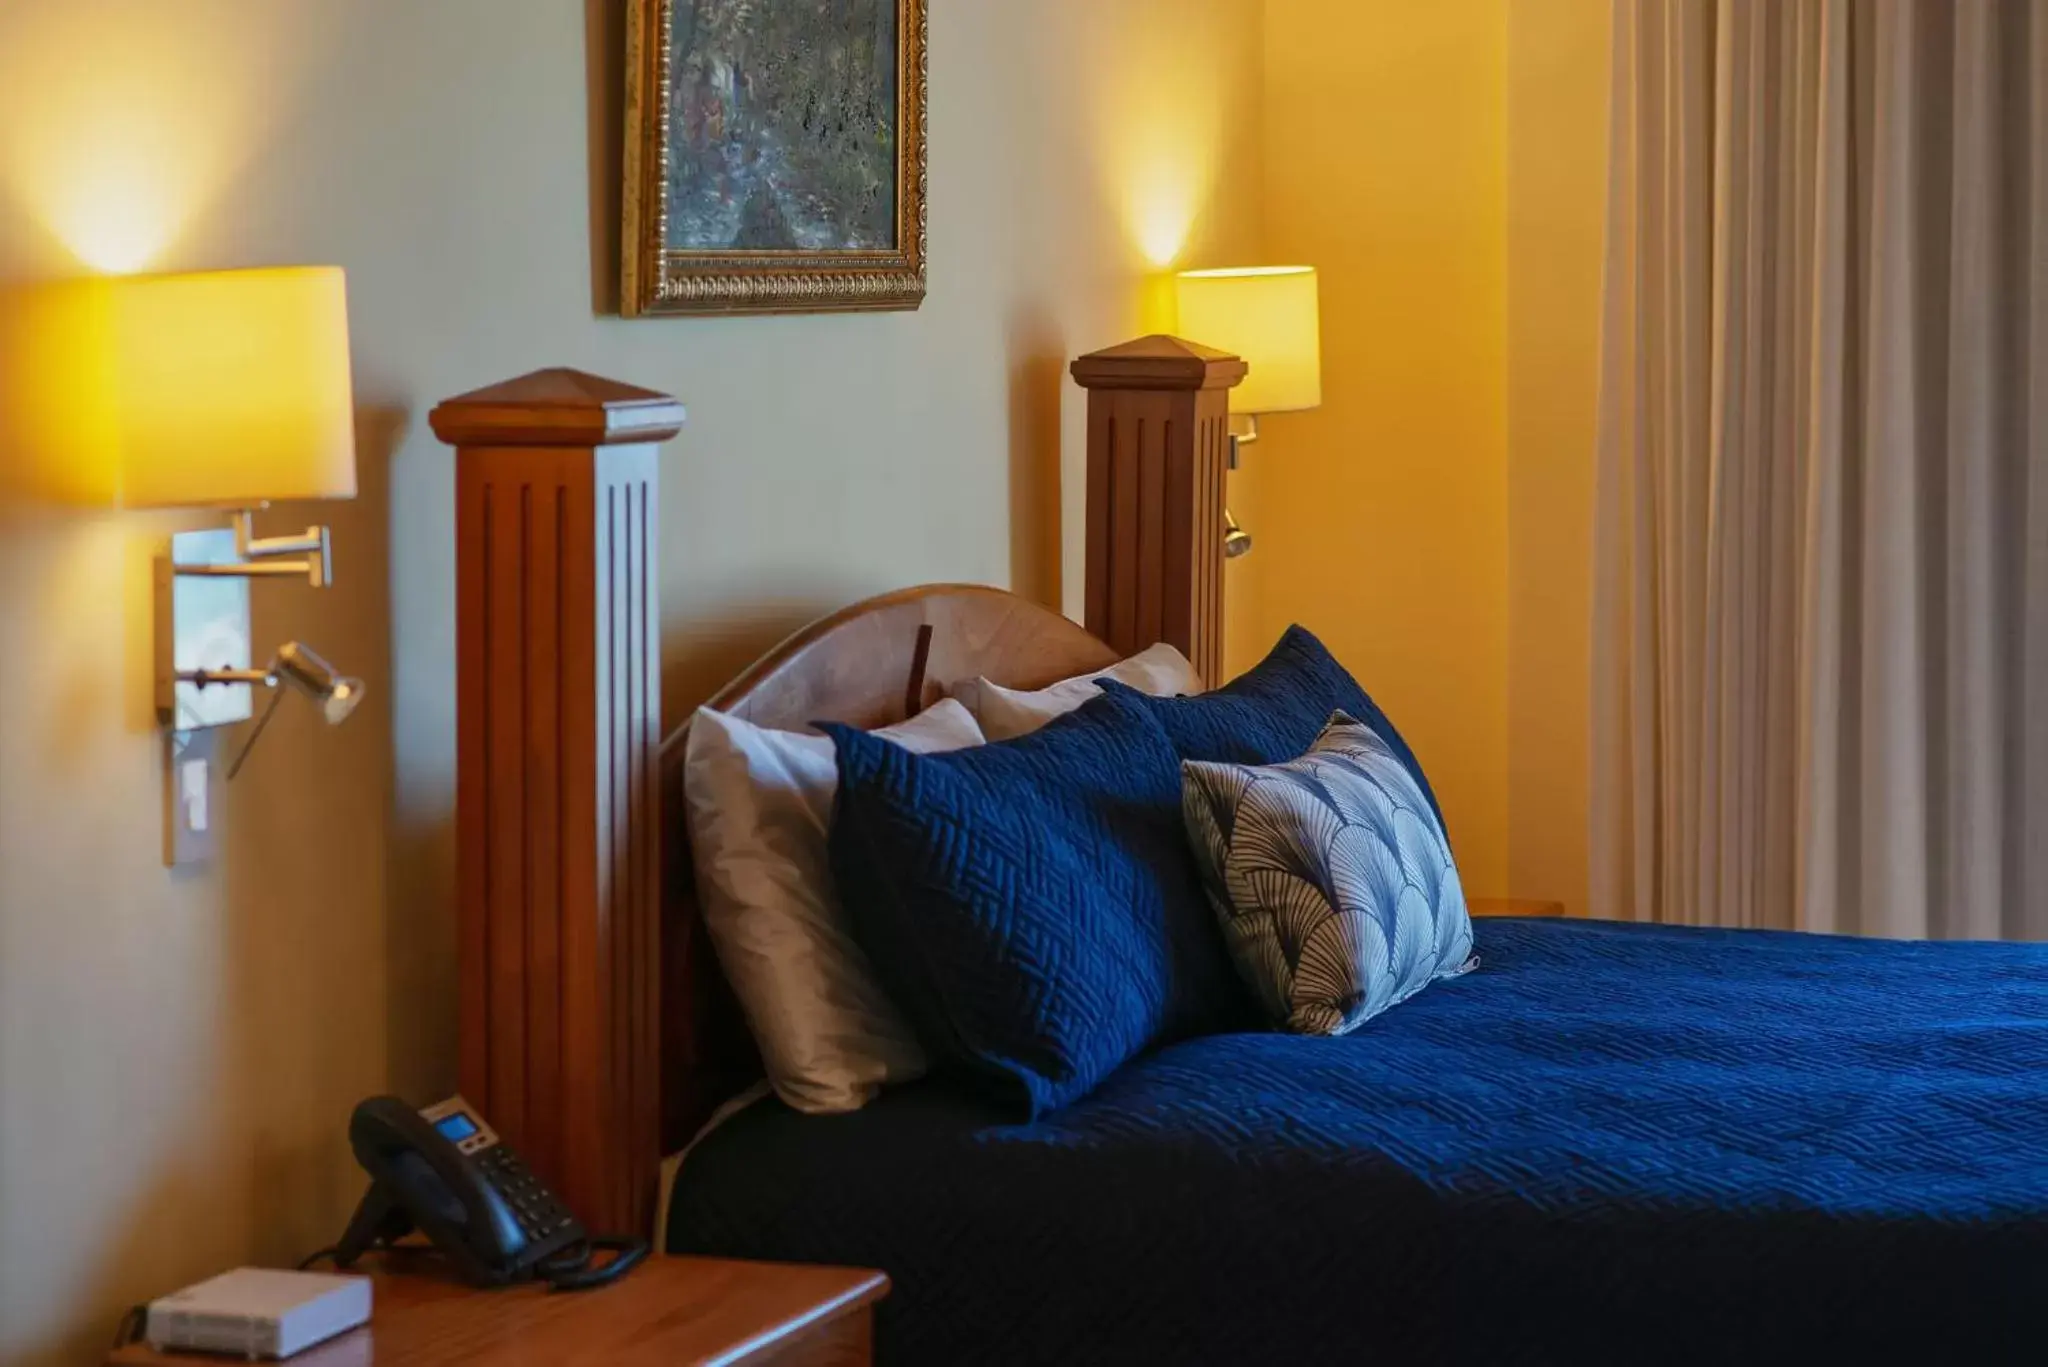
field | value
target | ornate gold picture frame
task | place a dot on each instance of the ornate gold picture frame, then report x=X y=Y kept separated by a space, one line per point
x=775 y=156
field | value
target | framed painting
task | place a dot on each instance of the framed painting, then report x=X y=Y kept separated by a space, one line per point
x=775 y=156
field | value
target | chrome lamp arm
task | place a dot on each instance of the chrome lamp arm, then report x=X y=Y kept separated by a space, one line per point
x=1242 y=437
x=260 y=556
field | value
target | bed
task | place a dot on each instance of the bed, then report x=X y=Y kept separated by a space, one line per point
x=1609 y=1143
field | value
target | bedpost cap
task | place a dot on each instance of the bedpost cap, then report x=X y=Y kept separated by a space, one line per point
x=1159 y=362
x=557 y=407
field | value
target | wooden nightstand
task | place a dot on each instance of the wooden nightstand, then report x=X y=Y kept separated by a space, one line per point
x=668 y=1312
x=1513 y=906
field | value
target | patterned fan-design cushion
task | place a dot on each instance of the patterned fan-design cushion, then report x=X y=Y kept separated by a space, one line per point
x=1331 y=876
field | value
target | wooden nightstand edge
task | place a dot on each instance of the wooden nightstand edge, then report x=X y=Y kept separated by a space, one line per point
x=873 y=1287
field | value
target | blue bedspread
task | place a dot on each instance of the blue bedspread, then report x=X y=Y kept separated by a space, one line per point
x=1609 y=1144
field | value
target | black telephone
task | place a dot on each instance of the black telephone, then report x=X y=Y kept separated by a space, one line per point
x=444 y=1172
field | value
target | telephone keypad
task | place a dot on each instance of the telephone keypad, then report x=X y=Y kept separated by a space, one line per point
x=539 y=1214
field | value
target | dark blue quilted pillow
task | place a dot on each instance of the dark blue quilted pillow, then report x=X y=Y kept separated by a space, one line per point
x=1274 y=711
x=1033 y=905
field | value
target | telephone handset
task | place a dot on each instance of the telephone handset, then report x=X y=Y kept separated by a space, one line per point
x=444 y=1172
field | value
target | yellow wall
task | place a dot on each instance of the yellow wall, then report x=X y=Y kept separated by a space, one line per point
x=1444 y=165
x=178 y=1053
x=1557 y=195
x=1383 y=516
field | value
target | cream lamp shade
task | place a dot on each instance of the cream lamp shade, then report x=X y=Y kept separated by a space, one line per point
x=229 y=388
x=1269 y=316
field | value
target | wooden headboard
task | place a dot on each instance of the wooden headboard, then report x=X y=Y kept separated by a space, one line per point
x=597 y=1030
x=855 y=666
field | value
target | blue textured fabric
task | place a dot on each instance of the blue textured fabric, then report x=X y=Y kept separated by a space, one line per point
x=1333 y=883
x=1609 y=1144
x=1274 y=711
x=1032 y=905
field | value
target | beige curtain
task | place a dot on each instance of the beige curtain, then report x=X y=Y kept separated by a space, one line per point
x=1821 y=617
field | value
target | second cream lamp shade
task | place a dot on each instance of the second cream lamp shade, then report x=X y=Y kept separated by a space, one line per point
x=1270 y=317
x=229 y=388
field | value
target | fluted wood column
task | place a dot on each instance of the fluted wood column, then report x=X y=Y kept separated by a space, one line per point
x=557 y=730
x=1158 y=457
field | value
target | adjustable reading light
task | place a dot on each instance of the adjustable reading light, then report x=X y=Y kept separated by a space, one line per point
x=1270 y=316
x=337 y=694
x=1236 y=540
x=296 y=667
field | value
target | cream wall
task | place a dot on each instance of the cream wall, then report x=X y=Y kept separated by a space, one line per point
x=1383 y=516
x=178 y=1053
x=1557 y=197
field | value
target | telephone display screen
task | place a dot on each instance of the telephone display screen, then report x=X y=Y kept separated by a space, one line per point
x=455 y=1127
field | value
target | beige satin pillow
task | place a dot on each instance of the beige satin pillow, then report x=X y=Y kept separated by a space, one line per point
x=760 y=809
x=1005 y=713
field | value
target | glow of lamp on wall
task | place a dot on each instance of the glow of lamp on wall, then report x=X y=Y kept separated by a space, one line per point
x=224 y=390
x=1270 y=316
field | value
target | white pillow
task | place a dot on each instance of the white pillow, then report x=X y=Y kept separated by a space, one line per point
x=1005 y=713
x=760 y=808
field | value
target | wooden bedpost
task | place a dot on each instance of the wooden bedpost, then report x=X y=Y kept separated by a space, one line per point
x=557 y=731
x=1158 y=455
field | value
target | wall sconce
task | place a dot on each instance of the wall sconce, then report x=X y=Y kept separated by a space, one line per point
x=1272 y=317
x=227 y=390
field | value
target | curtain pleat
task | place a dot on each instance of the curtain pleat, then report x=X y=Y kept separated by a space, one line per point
x=1821 y=565
x=1980 y=370
x=2026 y=715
